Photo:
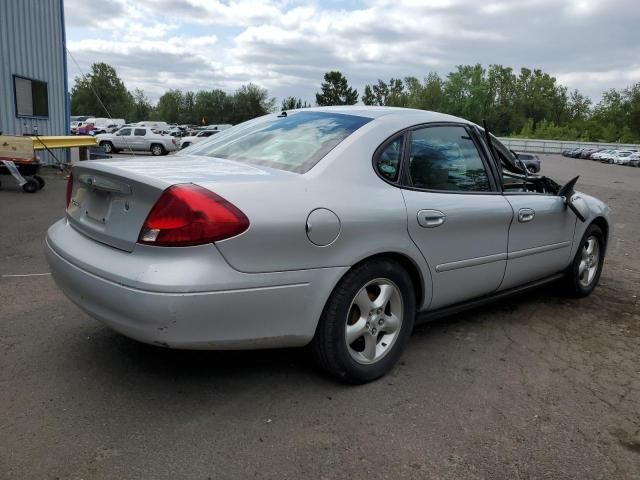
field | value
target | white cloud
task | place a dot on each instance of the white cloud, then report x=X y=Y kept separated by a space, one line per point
x=286 y=45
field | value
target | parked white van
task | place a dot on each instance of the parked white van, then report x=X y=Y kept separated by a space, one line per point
x=163 y=126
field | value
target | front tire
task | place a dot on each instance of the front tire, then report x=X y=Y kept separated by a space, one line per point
x=583 y=274
x=366 y=322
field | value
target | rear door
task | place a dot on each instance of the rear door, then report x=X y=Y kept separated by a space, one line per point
x=456 y=216
x=139 y=139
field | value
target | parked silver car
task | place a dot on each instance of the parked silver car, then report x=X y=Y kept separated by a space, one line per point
x=136 y=138
x=330 y=226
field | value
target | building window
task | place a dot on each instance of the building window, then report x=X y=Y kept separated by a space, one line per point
x=32 y=98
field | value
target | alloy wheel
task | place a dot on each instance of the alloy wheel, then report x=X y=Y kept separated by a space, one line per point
x=589 y=262
x=374 y=321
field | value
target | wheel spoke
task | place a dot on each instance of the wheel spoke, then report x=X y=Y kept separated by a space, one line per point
x=369 y=351
x=590 y=243
x=383 y=297
x=391 y=323
x=356 y=330
x=363 y=302
x=581 y=268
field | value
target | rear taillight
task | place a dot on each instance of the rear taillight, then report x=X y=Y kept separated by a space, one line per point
x=69 y=189
x=173 y=140
x=187 y=215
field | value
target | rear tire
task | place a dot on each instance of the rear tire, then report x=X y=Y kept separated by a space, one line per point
x=157 y=150
x=583 y=274
x=107 y=146
x=373 y=308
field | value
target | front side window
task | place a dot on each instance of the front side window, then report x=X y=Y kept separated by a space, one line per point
x=31 y=96
x=140 y=132
x=124 y=132
x=295 y=142
x=446 y=158
x=388 y=160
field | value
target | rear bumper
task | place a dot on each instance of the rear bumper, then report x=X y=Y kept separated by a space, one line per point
x=197 y=303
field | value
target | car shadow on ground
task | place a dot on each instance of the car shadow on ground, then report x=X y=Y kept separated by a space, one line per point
x=114 y=355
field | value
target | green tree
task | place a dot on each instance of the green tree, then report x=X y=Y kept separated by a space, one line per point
x=292 y=103
x=188 y=112
x=169 y=108
x=429 y=95
x=140 y=108
x=391 y=94
x=248 y=102
x=335 y=90
x=212 y=106
x=101 y=93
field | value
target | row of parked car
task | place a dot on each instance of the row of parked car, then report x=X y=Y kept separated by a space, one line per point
x=630 y=157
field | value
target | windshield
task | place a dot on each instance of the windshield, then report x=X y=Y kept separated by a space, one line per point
x=295 y=142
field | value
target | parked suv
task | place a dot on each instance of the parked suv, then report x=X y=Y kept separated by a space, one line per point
x=140 y=139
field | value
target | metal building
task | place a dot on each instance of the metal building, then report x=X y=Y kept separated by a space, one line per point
x=33 y=68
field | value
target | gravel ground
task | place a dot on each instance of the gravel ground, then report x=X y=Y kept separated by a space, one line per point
x=539 y=386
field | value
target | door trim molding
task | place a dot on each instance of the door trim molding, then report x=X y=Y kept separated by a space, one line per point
x=532 y=251
x=470 y=262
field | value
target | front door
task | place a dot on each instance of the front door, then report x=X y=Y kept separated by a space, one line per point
x=541 y=234
x=123 y=139
x=456 y=216
x=540 y=237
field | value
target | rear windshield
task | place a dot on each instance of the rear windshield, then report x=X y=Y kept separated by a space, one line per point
x=294 y=143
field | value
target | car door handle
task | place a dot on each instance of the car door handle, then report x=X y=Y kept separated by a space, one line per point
x=526 y=215
x=431 y=218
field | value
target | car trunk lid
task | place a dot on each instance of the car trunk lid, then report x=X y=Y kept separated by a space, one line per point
x=111 y=199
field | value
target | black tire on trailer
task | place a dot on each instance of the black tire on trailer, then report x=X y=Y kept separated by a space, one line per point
x=40 y=181
x=31 y=186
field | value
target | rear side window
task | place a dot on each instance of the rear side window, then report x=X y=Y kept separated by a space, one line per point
x=139 y=132
x=445 y=158
x=388 y=160
x=295 y=142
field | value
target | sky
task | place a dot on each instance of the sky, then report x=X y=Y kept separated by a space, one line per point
x=286 y=46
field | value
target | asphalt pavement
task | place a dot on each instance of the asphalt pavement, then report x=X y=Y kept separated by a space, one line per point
x=535 y=387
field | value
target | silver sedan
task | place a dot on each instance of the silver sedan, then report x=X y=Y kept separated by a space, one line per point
x=335 y=227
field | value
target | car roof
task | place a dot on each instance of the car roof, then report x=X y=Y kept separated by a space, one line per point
x=372 y=112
